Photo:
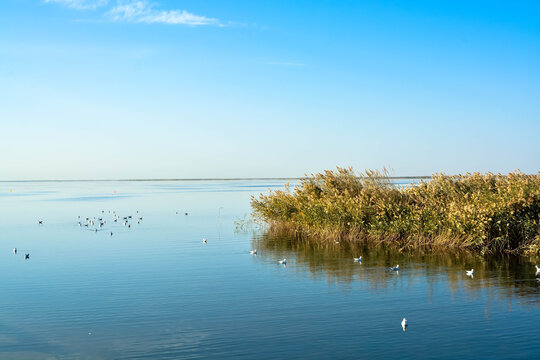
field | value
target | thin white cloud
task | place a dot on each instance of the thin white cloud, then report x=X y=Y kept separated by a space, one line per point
x=143 y=12
x=140 y=11
x=80 y=4
x=285 y=63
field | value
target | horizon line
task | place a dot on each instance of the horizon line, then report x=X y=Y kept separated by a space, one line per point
x=198 y=179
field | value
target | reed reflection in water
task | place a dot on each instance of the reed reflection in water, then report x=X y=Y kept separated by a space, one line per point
x=497 y=277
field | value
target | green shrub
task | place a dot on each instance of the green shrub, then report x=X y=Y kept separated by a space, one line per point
x=487 y=212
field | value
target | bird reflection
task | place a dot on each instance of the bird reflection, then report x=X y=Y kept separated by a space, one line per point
x=404 y=324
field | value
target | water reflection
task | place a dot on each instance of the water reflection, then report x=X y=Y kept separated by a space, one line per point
x=500 y=277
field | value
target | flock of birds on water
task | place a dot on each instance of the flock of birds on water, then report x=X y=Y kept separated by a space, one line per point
x=90 y=224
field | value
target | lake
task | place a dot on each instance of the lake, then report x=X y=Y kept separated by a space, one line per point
x=154 y=290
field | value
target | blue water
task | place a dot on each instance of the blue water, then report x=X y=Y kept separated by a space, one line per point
x=156 y=291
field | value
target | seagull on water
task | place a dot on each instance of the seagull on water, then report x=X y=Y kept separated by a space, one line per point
x=470 y=272
x=15 y=250
x=26 y=256
x=253 y=252
x=537 y=269
x=358 y=259
x=40 y=222
x=284 y=261
x=404 y=324
x=204 y=240
x=395 y=268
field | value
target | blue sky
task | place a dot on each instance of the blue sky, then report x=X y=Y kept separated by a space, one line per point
x=101 y=89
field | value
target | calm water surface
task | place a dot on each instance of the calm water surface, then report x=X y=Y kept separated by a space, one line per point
x=156 y=291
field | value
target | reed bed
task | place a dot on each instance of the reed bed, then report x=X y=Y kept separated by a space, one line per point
x=482 y=212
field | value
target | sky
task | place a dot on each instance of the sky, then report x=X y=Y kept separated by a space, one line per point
x=123 y=89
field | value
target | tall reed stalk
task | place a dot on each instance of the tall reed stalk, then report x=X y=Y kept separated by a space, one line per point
x=484 y=212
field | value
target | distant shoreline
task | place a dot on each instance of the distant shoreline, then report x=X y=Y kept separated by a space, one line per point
x=203 y=179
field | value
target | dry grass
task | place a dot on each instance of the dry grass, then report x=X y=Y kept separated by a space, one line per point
x=483 y=212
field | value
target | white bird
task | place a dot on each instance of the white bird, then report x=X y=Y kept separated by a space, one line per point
x=253 y=252
x=15 y=250
x=395 y=268
x=205 y=241
x=470 y=272
x=358 y=259
x=404 y=324
x=284 y=261
x=537 y=269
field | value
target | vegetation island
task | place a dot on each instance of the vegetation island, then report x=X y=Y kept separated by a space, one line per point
x=482 y=212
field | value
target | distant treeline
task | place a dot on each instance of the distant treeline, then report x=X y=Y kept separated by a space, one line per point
x=484 y=212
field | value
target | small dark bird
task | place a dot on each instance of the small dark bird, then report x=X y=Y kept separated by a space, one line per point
x=26 y=256
x=185 y=213
x=111 y=233
x=40 y=222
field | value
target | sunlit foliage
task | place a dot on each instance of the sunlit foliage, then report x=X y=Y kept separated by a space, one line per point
x=485 y=212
